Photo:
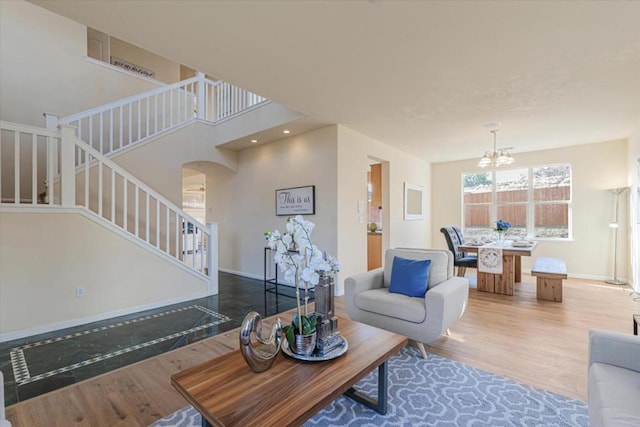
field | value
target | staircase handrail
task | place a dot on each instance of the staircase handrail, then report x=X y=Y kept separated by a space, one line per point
x=118 y=125
x=50 y=165
x=124 y=101
x=132 y=179
x=18 y=127
x=92 y=158
x=110 y=192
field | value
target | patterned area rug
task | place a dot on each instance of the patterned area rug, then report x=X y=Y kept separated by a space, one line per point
x=439 y=392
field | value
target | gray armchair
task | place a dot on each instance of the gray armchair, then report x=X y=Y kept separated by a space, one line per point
x=614 y=379
x=422 y=319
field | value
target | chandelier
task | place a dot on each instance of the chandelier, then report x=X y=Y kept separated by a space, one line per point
x=497 y=157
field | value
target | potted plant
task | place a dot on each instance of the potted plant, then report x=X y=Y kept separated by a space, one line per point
x=302 y=336
x=300 y=261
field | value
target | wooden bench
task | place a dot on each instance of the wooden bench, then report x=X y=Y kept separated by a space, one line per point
x=549 y=273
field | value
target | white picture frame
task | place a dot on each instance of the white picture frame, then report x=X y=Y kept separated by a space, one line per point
x=413 y=202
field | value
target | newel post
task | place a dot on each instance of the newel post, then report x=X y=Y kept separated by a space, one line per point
x=212 y=258
x=67 y=165
x=50 y=120
x=200 y=97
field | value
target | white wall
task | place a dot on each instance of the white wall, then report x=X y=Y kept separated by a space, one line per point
x=43 y=58
x=595 y=168
x=244 y=203
x=158 y=163
x=335 y=160
x=45 y=256
x=354 y=151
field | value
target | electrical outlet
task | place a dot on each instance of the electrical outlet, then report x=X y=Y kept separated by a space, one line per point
x=80 y=292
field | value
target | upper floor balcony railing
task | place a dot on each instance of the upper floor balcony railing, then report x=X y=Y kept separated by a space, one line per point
x=118 y=125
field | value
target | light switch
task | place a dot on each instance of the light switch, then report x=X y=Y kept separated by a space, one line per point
x=360 y=207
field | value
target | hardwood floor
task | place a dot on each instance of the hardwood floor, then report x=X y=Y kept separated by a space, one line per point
x=539 y=343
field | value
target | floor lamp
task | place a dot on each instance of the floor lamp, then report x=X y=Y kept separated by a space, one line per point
x=615 y=225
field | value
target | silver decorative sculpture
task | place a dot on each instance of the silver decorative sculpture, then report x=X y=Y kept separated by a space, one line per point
x=327 y=326
x=261 y=357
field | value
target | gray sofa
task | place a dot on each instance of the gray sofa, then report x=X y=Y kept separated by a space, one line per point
x=614 y=379
x=422 y=319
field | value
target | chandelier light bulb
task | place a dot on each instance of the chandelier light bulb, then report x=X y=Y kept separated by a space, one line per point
x=485 y=161
x=497 y=157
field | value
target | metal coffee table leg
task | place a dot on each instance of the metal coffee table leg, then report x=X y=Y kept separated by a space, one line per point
x=379 y=405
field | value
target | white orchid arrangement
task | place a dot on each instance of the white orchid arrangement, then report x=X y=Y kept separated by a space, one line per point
x=298 y=258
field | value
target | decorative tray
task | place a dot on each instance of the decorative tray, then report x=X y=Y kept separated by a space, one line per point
x=317 y=356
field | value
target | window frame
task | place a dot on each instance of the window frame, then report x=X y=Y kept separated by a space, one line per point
x=530 y=203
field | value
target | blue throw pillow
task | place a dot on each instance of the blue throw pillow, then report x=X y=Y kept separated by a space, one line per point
x=409 y=276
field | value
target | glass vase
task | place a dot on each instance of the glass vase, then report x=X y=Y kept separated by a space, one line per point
x=500 y=240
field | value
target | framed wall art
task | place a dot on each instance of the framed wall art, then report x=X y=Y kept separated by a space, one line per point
x=413 y=202
x=296 y=201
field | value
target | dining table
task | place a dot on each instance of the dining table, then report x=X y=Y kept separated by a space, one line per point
x=503 y=283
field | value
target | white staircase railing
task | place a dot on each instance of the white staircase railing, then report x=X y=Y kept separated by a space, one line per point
x=223 y=100
x=80 y=176
x=118 y=125
x=28 y=164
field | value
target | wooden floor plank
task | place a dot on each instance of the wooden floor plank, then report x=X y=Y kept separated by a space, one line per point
x=539 y=343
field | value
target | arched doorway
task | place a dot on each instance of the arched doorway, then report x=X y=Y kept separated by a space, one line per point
x=194 y=193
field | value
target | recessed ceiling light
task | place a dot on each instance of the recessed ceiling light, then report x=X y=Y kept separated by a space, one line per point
x=286 y=131
x=254 y=141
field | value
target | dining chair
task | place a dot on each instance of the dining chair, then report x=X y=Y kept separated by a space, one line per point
x=454 y=237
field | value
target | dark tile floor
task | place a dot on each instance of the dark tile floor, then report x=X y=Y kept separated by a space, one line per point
x=46 y=362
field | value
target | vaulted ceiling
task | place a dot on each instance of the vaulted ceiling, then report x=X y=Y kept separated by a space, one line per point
x=423 y=76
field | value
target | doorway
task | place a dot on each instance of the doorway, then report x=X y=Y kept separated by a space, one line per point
x=194 y=194
x=374 y=215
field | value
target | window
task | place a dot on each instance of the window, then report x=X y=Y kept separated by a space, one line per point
x=536 y=202
x=552 y=201
x=477 y=202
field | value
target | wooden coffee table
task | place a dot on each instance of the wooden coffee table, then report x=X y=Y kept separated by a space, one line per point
x=228 y=393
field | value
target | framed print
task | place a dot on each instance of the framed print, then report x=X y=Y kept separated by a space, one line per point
x=296 y=201
x=413 y=202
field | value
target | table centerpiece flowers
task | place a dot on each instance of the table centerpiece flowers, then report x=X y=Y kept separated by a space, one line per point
x=501 y=228
x=300 y=261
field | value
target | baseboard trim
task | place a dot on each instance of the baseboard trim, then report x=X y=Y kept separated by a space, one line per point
x=241 y=273
x=250 y=276
x=261 y=278
x=10 y=336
